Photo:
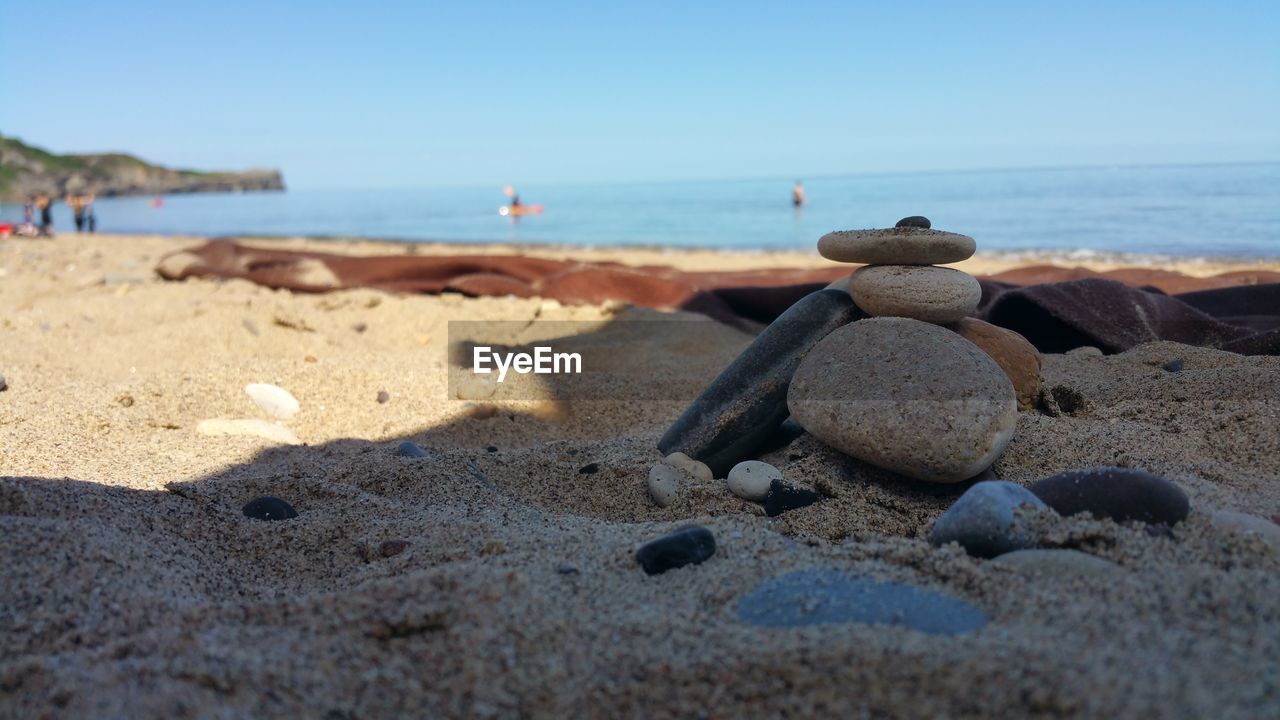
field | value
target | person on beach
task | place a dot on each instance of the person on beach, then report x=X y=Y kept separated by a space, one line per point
x=29 y=211
x=77 y=210
x=91 y=220
x=797 y=194
x=45 y=203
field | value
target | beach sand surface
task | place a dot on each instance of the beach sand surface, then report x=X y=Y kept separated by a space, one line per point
x=497 y=577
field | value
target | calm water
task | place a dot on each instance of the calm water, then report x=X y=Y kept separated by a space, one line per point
x=1185 y=210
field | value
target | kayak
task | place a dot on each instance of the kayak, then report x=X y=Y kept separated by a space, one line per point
x=507 y=210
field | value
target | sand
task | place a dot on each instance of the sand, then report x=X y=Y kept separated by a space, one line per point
x=496 y=579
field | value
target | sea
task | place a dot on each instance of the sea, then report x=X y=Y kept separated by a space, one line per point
x=1188 y=211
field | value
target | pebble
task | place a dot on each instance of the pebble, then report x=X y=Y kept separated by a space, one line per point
x=695 y=469
x=1173 y=366
x=1245 y=524
x=274 y=400
x=823 y=596
x=1058 y=564
x=411 y=450
x=906 y=396
x=664 y=484
x=784 y=498
x=589 y=469
x=742 y=407
x=3 y=385
x=687 y=546
x=984 y=522
x=269 y=508
x=383 y=397
x=915 y=221
x=1013 y=353
x=391 y=548
x=896 y=246
x=257 y=428
x=1117 y=493
x=751 y=479
x=932 y=294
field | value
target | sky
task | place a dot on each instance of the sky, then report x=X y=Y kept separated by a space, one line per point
x=415 y=94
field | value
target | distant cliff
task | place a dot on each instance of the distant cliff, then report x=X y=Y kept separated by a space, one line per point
x=27 y=170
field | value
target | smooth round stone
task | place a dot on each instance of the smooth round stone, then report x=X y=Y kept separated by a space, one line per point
x=695 y=469
x=411 y=450
x=1120 y=494
x=985 y=521
x=274 y=400
x=821 y=596
x=750 y=479
x=932 y=294
x=1058 y=564
x=687 y=546
x=914 y=221
x=1013 y=353
x=269 y=508
x=896 y=246
x=664 y=484
x=1239 y=523
x=907 y=396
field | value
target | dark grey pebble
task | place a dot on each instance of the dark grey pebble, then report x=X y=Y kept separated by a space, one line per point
x=984 y=520
x=567 y=570
x=1117 y=493
x=383 y=397
x=688 y=546
x=269 y=508
x=391 y=548
x=492 y=448
x=782 y=497
x=736 y=414
x=408 y=449
x=915 y=221
x=3 y=385
x=589 y=469
x=811 y=597
x=1173 y=366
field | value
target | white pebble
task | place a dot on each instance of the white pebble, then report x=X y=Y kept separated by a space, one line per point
x=750 y=479
x=664 y=484
x=276 y=401
x=695 y=469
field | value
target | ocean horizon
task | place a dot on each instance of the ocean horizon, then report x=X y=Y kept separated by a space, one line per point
x=1229 y=211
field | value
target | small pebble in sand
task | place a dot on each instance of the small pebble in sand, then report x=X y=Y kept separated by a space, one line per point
x=784 y=498
x=1173 y=366
x=310 y=360
x=269 y=508
x=1239 y=523
x=359 y=327
x=985 y=521
x=664 y=484
x=1117 y=493
x=274 y=400
x=931 y=294
x=567 y=570
x=822 y=596
x=908 y=396
x=915 y=221
x=589 y=469
x=750 y=479
x=687 y=546
x=695 y=469
x=383 y=397
x=390 y=548
x=3 y=385
x=408 y=449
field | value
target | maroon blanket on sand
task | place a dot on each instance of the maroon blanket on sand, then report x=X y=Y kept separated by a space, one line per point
x=1055 y=308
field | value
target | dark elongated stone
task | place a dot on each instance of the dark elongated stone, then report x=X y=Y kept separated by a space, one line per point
x=269 y=508
x=687 y=546
x=1117 y=493
x=915 y=221
x=408 y=449
x=731 y=420
x=821 y=596
x=782 y=497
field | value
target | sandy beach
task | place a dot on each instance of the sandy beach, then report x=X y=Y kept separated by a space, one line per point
x=496 y=577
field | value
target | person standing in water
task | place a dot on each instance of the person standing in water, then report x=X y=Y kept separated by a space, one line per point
x=90 y=219
x=45 y=203
x=77 y=210
x=510 y=192
x=797 y=194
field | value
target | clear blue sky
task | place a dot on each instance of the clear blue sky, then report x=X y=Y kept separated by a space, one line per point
x=383 y=94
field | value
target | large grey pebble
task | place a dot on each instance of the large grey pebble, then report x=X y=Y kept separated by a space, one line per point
x=742 y=407
x=985 y=519
x=908 y=396
x=821 y=596
x=896 y=246
x=1115 y=492
x=932 y=294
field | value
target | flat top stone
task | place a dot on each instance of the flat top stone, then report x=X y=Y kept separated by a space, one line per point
x=823 y=596
x=896 y=246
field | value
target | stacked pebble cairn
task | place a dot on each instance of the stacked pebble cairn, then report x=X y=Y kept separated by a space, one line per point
x=886 y=367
